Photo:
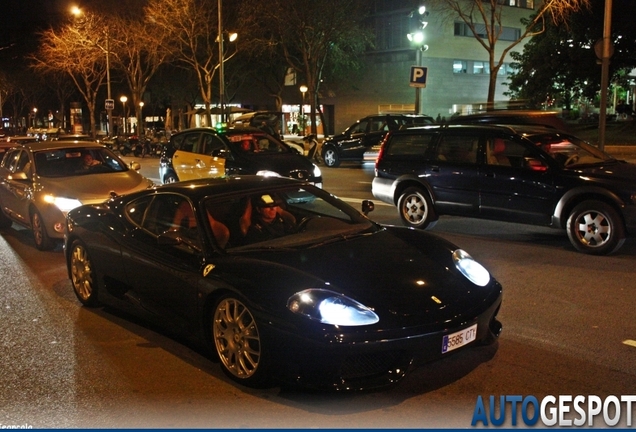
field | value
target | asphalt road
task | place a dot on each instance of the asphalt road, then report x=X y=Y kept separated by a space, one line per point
x=568 y=320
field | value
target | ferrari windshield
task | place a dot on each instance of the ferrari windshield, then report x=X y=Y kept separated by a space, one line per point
x=569 y=150
x=76 y=161
x=284 y=218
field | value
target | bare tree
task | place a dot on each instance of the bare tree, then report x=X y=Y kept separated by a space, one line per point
x=484 y=19
x=309 y=33
x=191 y=34
x=76 y=50
x=136 y=50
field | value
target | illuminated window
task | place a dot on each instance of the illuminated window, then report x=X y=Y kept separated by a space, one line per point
x=459 y=66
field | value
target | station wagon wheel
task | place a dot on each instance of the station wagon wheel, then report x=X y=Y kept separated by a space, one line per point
x=42 y=240
x=83 y=277
x=594 y=227
x=237 y=342
x=331 y=158
x=416 y=209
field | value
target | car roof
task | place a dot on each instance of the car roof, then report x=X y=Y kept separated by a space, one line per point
x=53 y=145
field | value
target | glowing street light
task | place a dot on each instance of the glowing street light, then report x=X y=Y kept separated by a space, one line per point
x=123 y=100
x=141 y=118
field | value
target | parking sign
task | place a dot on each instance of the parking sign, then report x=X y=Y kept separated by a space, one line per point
x=418 y=76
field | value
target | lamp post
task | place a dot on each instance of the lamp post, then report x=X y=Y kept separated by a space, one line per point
x=110 y=103
x=303 y=89
x=141 y=119
x=417 y=37
x=123 y=100
x=35 y=113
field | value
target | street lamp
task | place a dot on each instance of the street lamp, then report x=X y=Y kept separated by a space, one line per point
x=110 y=103
x=35 y=112
x=123 y=100
x=220 y=37
x=303 y=89
x=141 y=119
x=416 y=36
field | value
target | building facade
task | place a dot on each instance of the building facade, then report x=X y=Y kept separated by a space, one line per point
x=457 y=65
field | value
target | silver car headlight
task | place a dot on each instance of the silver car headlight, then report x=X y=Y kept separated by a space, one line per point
x=329 y=307
x=470 y=268
x=64 y=204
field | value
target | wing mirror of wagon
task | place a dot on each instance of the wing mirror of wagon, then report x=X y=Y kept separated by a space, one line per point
x=367 y=207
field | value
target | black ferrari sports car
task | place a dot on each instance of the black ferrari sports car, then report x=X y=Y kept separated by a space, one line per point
x=280 y=290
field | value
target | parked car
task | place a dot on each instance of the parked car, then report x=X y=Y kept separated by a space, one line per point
x=207 y=152
x=40 y=182
x=338 y=302
x=367 y=132
x=527 y=174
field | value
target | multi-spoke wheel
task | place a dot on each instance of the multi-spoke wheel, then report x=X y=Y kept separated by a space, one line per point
x=595 y=228
x=238 y=343
x=331 y=158
x=170 y=178
x=416 y=210
x=40 y=237
x=83 y=276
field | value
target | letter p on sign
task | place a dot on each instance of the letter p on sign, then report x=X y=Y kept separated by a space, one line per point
x=418 y=76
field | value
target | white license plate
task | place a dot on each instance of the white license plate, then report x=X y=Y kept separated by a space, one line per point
x=459 y=339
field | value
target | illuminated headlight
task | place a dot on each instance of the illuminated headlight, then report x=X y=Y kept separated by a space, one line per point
x=64 y=204
x=317 y=172
x=329 y=307
x=266 y=173
x=470 y=268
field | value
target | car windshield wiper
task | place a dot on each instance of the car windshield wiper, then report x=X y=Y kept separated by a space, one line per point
x=340 y=238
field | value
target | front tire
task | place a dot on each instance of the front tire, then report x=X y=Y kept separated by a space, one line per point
x=41 y=238
x=170 y=178
x=595 y=228
x=237 y=342
x=331 y=158
x=416 y=209
x=83 y=276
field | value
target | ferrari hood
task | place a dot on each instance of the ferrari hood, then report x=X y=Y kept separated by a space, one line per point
x=401 y=277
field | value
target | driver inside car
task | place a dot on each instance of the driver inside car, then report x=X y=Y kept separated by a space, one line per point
x=265 y=219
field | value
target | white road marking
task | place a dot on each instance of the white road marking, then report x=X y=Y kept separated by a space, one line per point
x=630 y=342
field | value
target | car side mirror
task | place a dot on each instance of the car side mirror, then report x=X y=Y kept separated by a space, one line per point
x=19 y=175
x=135 y=166
x=367 y=207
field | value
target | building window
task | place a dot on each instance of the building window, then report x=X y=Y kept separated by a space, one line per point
x=459 y=66
x=507 y=33
x=481 y=68
x=526 y=4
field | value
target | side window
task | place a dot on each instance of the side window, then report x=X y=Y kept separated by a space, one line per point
x=378 y=124
x=211 y=144
x=505 y=152
x=136 y=210
x=410 y=145
x=11 y=159
x=360 y=127
x=189 y=143
x=23 y=163
x=458 y=148
x=172 y=212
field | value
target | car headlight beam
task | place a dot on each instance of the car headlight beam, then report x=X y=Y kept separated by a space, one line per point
x=470 y=268
x=329 y=307
x=64 y=204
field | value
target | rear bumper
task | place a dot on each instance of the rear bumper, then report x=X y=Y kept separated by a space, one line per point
x=383 y=189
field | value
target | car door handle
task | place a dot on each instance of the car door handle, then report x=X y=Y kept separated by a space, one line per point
x=435 y=168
